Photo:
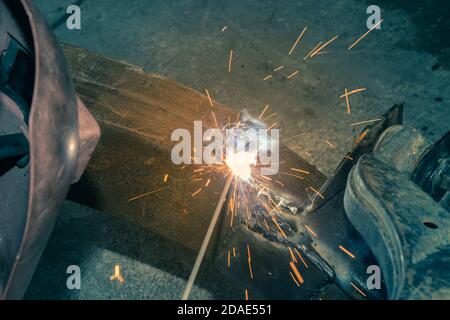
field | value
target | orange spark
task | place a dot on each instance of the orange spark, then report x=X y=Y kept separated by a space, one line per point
x=347 y=252
x=294 y=136
x=249 y=260
x=262 y=113
x=214 y=118
x=313 y=50
x=317 y=192
x=364 y=122
x=292 y=255
x=279 y=182
x=278 y=226
x=362 y=136
x=278 y=68
x=148 y=193
x=346 y=101
x=300 y=170
x=230 y=60
x=196 y=192
x=273 y=125
x=232 y=218
x=328 y=142
x=293 y=74
x=358 y=289
x=291 y=175
x=349 y=158
x=166 y=177
x=353 y=92
x=234 y=251
x=297 y=274
x=269 y=116
x=365 y=34
x=324 y=45
x=207 y=183
x=248 y=213
x=298 y=39
x=267 y=78
x=117 y=276
x=209 y=98
x=267 y=226
x=250 y=269
x=229 y=260
x=265 y=177
x=293 y=278
x=301 y=258
x=310 y=230
x=246 y=294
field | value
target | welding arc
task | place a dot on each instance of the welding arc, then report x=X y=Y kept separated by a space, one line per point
x=201 y=253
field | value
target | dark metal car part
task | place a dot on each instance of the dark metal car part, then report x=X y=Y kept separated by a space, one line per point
x=392 y=200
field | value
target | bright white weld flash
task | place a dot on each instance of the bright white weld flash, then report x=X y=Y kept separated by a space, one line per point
x=240 y=163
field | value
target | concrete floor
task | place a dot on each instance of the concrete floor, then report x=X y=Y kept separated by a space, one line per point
x=153 y=268
x=407 y=61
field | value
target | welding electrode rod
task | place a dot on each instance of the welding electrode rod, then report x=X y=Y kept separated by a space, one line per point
x=201 y=253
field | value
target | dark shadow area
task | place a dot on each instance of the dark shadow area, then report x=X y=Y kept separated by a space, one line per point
x=432 y=19
x=84 y=191
x=6 y=165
